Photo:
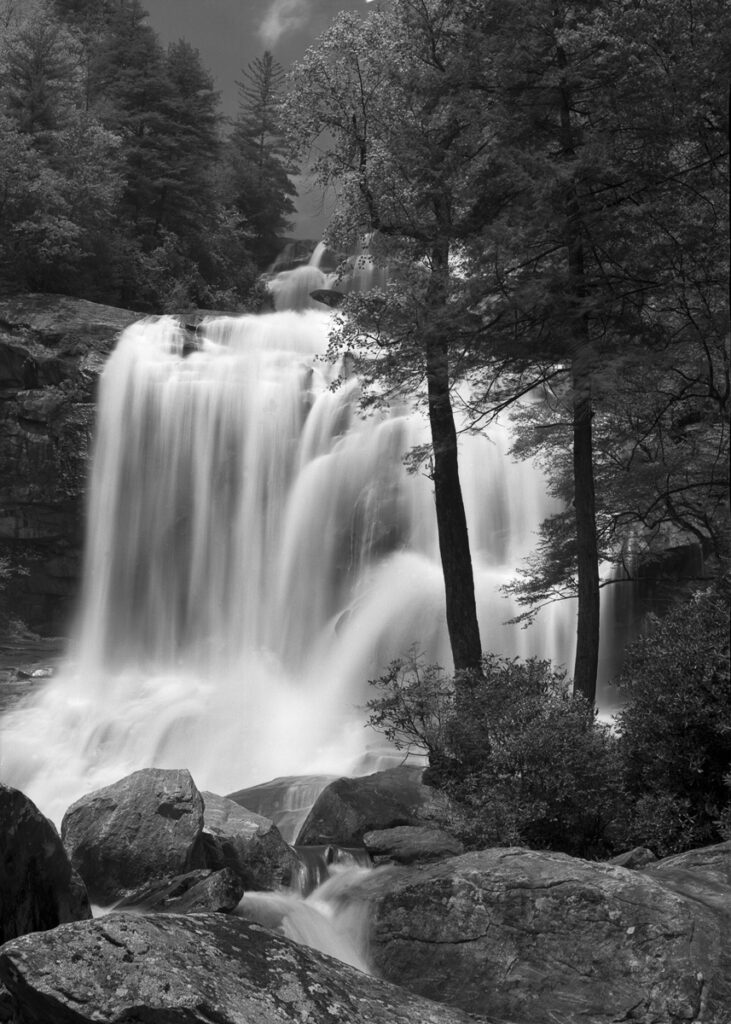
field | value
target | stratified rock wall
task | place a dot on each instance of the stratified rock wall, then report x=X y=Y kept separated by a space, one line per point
x=52 y=349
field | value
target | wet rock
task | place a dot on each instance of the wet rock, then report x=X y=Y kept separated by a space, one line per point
x=348 y=808
x=38 y=887
x=146 y=827
x=410 y=844
x=193 y=893
x=247 y=843
x=545 y=937
x=286 y=800
x=52 y=349
x=197 y=969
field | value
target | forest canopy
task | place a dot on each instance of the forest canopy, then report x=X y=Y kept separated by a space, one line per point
x=121 y=181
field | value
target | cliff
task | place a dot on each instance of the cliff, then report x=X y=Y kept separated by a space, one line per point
x=52 y=349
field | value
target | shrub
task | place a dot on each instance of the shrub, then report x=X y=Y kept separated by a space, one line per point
x=528 y=762
x=675 y=728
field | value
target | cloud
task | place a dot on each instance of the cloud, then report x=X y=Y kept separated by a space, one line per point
x=282 y=17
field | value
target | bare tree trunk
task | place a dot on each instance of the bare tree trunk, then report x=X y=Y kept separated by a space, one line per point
x=454 y=546
x=587 y=555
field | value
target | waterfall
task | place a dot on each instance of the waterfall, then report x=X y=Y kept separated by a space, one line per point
x=256 y=551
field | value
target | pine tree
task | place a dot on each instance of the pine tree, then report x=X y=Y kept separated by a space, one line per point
x=261 y=187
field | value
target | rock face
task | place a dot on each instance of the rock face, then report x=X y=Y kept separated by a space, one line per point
x=52 y=349
x=410 y=844
x=38 y=888
x=348 y=808
x=193 y=970
x=247 y=843
x=544 y=937
x=143 y=828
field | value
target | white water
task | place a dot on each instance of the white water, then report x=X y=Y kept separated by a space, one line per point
x=256 y=552
x=327 y=920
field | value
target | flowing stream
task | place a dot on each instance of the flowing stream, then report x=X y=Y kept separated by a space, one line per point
x=256 y=551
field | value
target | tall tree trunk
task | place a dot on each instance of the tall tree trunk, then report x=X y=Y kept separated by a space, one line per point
x=454 y=546
x=587 y=554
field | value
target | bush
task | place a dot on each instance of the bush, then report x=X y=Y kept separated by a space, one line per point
x=675 y=728
x=527 y=761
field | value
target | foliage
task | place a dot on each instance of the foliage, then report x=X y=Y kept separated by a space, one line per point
x=416 y=702
x=527 y=762
x=675 y=729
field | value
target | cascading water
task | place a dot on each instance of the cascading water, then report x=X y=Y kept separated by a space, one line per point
x=256 y=552
x=327 y=919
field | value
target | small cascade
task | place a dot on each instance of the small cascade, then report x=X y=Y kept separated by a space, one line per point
x=327 y=919
x=317 y=863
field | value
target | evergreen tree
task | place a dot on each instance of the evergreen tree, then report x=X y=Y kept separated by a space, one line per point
x=58 y=166
x=261 y=188
x=39 y=77
x=636 y=204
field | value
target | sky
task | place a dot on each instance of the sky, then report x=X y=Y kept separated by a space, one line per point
x=230 y=33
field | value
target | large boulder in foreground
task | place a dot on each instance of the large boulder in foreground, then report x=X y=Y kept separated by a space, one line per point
x=545 y=937
x=348 y=808
x=247 y=843
x=52 y=349
x=38 y=887
x=143 y=828
x=193 y=970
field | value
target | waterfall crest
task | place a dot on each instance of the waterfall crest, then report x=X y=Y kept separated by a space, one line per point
x=256 y=551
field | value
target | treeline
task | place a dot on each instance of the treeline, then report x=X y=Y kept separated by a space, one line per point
x=548 y=182
x=120 y=181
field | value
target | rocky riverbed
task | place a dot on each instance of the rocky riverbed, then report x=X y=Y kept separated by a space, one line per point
x=506 y=936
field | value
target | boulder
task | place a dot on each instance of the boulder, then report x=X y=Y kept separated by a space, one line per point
x=348 y=808
x=38 y=887
x=192 y=893
x=247 y=843
x=197 y=969
x=52 y=349
x=545 y=937
x=146 y=827
x=410 y=844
